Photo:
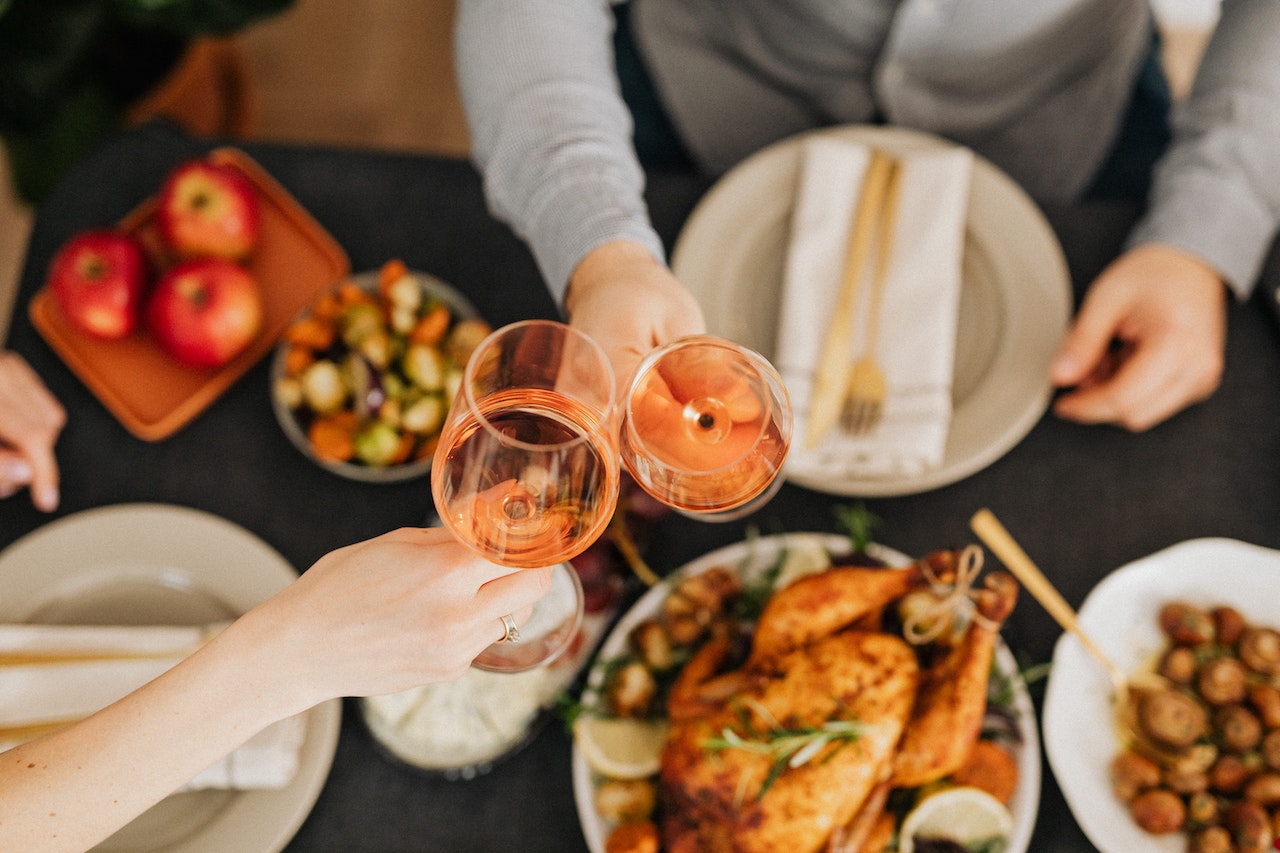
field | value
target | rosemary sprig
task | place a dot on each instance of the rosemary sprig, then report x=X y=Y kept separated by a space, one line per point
x=789 y=748
x=860 y=523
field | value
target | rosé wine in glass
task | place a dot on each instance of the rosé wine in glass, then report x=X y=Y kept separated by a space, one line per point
x=706 y=427
x=527 y=469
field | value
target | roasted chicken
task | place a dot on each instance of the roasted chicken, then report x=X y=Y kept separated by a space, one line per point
x=796 y=748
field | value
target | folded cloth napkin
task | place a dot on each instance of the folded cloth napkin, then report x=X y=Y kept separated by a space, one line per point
x=919 y=306
x=52 y=675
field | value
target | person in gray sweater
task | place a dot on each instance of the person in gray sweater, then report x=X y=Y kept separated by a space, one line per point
x=569 y=100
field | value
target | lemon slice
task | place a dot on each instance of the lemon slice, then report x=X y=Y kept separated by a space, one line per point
x=961 y=814
x=804 y=555
x=620 y=748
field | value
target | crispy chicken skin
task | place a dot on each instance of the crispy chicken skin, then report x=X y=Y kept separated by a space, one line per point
x=948 y=715
x=713 y=801
x=841 y=597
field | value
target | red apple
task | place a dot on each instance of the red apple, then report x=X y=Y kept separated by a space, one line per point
x=208 y=209
x=205 y=312
x=98 y=278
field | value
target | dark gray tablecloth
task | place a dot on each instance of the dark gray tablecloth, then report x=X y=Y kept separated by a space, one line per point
x=1082 y=500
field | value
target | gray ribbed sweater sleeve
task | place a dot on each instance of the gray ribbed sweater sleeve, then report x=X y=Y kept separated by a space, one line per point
x=549 y=131
x=1217 y=190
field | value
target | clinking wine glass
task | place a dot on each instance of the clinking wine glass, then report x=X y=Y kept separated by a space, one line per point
x=706 y=426
x=527 y=470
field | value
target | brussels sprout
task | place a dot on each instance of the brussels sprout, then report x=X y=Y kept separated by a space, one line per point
x=424 y=366
x=323 y=387
x=424 y=416
x=378 y=444
x=360 y=321
x=405 y=294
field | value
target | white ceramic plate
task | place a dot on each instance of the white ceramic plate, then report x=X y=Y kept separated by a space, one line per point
x=136 y=564
x=1015 y=301
x=751 y=558
x=1120 y=615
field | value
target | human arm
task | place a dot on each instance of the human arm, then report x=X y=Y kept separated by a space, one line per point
x=1213 y=214
x=407 y=608
x=552 y=138
x=30 y=422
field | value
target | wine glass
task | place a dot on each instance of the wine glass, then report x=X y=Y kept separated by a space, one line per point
x=527 y=470
x=706 y=426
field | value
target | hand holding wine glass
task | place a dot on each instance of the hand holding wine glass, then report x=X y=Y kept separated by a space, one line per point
x=706 y=426
x=527 y=470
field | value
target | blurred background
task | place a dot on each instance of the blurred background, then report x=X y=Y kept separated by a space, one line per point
x=379 y=74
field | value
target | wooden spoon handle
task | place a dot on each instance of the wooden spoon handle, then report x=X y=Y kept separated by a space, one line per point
x=1002 y=544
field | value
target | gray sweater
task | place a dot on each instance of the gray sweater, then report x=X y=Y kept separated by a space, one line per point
x=1039 y=88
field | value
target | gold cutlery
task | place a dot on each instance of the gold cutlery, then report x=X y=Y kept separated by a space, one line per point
x=831 y=382
x=864 y=400
x=1126 y=690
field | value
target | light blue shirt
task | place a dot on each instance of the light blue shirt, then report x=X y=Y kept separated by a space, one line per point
x=1039 y=88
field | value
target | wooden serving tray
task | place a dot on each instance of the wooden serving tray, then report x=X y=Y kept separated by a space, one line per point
x=150 y=393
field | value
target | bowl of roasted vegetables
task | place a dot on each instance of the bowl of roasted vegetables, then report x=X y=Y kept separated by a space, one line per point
x=362 y=378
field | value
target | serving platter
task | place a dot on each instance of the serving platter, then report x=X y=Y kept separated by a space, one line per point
x=1120 y=616
x=750 y=559
x=151 y=394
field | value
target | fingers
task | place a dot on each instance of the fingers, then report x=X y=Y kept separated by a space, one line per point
x=30 y=422
x=1144 y=389
x=513 y=593
x=1148 y=341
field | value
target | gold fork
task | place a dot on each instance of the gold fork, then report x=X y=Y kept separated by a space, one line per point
x=831 y=380
x=864 y=398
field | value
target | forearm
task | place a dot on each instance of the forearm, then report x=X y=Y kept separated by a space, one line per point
x=549 y=131
x=69 y=790
x=1216 y=193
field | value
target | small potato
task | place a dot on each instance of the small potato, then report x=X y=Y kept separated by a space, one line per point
x=631 y=690
x=1250 y=826
x=1213 y=839
x=651 y=642
x=1259 y=648
x=1159 y=811
x=1228 y=774
x=1237 y=728
x=1270 y=749
x=1186 y=624
x=1222 y=682
x=1185 y=780
x=1173 y=718
x=1264 y=788
x=1265 y=698
x=1179 y=665
x=626 y=800
x=1228 y=624
x=1203 y=809
x=1131 y=774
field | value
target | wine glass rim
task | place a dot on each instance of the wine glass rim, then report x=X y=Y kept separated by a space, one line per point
x=766 y=372
x=606 y=415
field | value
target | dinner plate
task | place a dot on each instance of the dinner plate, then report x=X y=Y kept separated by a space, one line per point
x=1120 y=614
x=149 y=392
x=1015 y=297
x=136 y=564
x=750 y=559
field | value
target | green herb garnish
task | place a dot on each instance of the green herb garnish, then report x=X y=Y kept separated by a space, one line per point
x=860 y=523
x=789 y=748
